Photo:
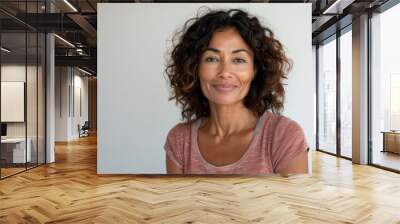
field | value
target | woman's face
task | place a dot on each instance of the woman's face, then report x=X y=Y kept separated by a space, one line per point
x=226 y=68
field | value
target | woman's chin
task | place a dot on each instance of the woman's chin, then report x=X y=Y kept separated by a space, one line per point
x=225 y=101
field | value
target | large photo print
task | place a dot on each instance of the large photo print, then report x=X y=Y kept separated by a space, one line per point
x=205 y=88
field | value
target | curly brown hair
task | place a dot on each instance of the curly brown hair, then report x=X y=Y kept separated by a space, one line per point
x=266 y=90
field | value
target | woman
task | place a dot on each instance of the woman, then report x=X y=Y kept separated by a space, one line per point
x=226 y=72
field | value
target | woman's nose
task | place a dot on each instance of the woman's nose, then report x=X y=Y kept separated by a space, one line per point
x=225 y=68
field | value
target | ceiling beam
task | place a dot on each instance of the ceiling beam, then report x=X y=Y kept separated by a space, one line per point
x=84 y=24
x=85 y=61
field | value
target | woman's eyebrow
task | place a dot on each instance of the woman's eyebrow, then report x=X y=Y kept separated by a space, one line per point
x=213 y=50
x=240 y=50
x=233 y=52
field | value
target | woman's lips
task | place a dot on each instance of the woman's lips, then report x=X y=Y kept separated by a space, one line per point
x=224 y=87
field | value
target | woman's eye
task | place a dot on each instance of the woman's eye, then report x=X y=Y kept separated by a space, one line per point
x=239 y=60
x=211 y=59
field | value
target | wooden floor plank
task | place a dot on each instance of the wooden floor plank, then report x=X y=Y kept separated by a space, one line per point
x=70 y=191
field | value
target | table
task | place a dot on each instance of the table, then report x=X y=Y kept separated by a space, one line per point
x=15 y=148
x=391 y=141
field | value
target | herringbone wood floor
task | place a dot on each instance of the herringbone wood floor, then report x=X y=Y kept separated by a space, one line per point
x=70 y=191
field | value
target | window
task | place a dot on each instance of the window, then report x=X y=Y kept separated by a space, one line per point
x=385 y=89
x=346 y=94
x=327 y=96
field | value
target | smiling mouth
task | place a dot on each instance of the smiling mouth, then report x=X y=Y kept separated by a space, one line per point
x=225 y=88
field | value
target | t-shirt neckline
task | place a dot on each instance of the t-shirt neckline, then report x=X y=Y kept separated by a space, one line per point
x=256 y=132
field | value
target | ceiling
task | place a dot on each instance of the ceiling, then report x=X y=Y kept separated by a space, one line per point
x=76 y=22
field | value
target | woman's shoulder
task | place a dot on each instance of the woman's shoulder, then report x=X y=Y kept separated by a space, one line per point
x=281 y=124
x=285 y=139
x=177 y=142
x=180 y=127
x=179 y=130
x=284 y=130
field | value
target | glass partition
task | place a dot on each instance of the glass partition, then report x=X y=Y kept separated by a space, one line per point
x=327 y=96
x=22 y=78
x=13 y=103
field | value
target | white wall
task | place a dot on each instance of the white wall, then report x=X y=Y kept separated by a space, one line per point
x=68 y=81
x=61 y=103
x=134 y=115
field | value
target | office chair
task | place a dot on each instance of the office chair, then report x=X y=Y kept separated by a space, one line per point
x=84 y=130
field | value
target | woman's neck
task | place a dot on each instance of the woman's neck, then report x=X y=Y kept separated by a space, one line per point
x=225 y=120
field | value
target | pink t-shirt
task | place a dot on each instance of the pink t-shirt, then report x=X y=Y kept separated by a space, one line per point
x=276 y=141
